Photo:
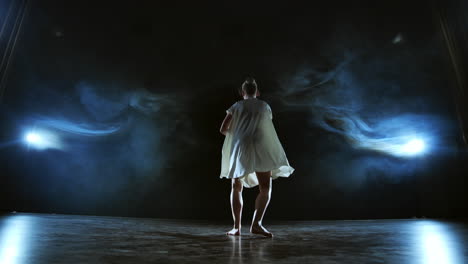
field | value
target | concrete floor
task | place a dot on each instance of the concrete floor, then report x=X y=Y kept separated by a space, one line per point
x=40 y=238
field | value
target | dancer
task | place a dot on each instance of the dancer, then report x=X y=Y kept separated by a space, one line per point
x=252 y=155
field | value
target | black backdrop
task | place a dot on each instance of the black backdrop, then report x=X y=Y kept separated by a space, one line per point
x=79 y=61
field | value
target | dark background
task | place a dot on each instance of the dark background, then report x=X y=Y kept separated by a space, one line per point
x=82 y=61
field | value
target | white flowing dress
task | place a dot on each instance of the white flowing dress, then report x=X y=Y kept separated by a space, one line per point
x=251 y=144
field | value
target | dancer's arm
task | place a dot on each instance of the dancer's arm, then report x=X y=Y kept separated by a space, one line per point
x=226 y=124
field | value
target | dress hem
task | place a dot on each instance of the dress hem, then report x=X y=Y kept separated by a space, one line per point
x=274 y=177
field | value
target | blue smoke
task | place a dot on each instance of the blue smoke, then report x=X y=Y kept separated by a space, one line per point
x=82 y=129
x=102 y=142
x=392 y=135
x=342 y=102
x=383 y=109
x=107 y=113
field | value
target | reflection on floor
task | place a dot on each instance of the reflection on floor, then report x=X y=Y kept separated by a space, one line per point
x=39 y=238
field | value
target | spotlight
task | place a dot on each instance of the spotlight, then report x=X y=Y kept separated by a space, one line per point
x=32 y=138
x=41 y=139
x=413 y=147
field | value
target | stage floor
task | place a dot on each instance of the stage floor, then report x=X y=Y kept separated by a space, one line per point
x=42 y=238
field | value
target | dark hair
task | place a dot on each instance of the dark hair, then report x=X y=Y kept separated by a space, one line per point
x=249 y=86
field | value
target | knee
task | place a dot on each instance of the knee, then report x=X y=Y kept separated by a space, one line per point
x=265 y=188
x=237 y=185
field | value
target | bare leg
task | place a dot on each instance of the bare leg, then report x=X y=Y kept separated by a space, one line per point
x=261 y=203
x=236 y=207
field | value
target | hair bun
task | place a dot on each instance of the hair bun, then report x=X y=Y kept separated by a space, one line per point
x=249 y=86
x=250 y=80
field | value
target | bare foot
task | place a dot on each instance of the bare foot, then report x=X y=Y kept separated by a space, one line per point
x=260 y=230
x=234 y=232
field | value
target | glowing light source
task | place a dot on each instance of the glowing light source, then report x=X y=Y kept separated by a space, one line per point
x=41 y=139
x=33 y=138
x=414 y=146
x=397 y=146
